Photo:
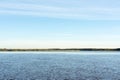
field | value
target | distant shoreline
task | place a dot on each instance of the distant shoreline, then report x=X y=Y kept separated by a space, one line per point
x=61 y=50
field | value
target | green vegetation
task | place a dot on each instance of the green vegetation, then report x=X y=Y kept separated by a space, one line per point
x=58 y=49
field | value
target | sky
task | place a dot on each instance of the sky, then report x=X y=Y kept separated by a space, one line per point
x=59 y=23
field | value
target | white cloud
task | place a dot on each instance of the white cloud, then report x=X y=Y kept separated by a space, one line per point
x=90 y=13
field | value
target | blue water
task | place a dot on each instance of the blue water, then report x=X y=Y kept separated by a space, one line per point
x=60 y=66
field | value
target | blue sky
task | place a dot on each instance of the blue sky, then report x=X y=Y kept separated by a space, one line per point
x=59 y=23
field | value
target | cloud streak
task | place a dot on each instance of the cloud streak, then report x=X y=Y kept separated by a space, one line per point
x=89 y=13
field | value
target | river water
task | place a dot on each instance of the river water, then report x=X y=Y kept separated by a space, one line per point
x=60 y=65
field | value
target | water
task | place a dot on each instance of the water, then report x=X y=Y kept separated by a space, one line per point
x=60 y=66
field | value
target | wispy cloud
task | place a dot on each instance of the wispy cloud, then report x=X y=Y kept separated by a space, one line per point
x=90 y=13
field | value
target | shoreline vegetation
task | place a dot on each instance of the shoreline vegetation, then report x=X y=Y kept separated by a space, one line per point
x=59 y=49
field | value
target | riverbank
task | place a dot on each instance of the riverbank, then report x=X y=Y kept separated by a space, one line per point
x=63 y=50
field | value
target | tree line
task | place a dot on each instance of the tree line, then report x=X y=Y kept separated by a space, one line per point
x=58 y=49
